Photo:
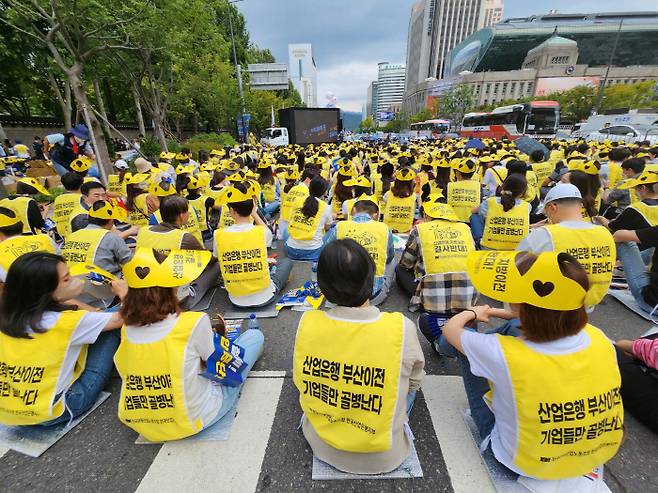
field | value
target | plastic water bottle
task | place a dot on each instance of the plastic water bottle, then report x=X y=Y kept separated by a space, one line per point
x=253 y=322
x=314 y=272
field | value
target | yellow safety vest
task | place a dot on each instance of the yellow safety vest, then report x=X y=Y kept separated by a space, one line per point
x=444 y=246
x=531 y=191
x=464 y=196
x=19 y=205
x=303 y=228
x=505 y=230
x=139 y=216
x=543 y=170
x=152 y=400
x=337 y=208
x=371 y=235
x=243 y=260
x=191 y=226
x=499 y=173
x=63 y=206
x=399 y=213
x=348 y=377
x=648 y=212
x=81 y=245
x=569 y=413
x=30 y=369
x=292 y=199
x=595 y=249
x=199 y=205
x=161 y=242
x=114 y=184
x=14 y=247
x=615 y=174
x=79 y=210
x=269 y=192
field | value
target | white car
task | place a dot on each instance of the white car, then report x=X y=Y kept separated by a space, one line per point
x=627 y=133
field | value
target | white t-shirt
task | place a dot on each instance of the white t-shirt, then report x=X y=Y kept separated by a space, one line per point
x=485 y=356
x=316 y=241
x=87 y=331
x=540 y=240
x=260 y=297
x=202 y=398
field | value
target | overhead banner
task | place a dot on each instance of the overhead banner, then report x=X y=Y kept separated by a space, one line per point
x=550 y=85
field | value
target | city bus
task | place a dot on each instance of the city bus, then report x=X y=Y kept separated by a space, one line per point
x=429 y=129
x=538 y=119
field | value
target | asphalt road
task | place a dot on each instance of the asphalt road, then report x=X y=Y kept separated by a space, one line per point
x=266 y=451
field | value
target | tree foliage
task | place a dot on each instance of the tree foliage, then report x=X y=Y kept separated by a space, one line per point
x=367 y=126
x=457 y=102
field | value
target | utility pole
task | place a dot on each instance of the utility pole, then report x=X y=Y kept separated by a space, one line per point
x=599 y=96
x=238 y=69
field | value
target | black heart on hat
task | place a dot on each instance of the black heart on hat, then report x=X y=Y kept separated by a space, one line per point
x=543 y=288
x=142 y=272
x=109 y=213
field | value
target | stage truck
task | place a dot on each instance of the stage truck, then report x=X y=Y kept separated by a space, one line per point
x=536 y=119
x=304 y=126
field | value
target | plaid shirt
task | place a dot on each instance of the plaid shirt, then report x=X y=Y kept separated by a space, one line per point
x=447 y=292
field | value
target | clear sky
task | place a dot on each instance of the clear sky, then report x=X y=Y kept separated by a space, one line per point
x=350 y=37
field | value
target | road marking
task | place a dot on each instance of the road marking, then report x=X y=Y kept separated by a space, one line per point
x=267 y=374
x=228 y=466
x=446 y=400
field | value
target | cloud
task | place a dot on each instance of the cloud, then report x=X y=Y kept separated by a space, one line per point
x=350 y=95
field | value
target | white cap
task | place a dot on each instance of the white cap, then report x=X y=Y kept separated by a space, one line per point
x=563 y=191
x=120 y=164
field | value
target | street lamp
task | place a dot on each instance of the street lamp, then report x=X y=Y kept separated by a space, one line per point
x=238 y=71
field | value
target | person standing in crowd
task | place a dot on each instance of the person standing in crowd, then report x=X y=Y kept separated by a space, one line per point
x=308 y=223
x=63 y=149
x=13 y=243
x=356 y=339
x=160 y=338
x=37 y=147
x=99 y=244
x=38 y=329
x=518 y=380
x=248 y=281
x=365 y=228
x=568 y=232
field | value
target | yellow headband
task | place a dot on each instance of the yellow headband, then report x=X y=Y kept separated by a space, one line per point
x=105 y=212
x=32 y=182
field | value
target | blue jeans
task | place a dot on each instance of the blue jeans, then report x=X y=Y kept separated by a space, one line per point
x=85 y=390
x=474 y=386
x=251 y=341
x=299 y=254
x=411 y=398
x=635 y=271
x=477 y=226
x=271 y=208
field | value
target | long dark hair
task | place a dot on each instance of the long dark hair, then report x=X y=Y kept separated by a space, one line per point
x=132 y=192
x=28 y=293
x=403 y=188
x=342 y=192
x=317 y=188
x=442 y=179
x=581 y=181
x=386 y=171
x=512 y=188
x=265 y=176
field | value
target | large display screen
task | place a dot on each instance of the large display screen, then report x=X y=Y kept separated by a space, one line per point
x=316 y=126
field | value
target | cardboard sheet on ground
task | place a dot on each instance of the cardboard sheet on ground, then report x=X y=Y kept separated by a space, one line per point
x=35 y=440
x=506 y=481
x=625 y=297
x=219 y=432
x=410 y=468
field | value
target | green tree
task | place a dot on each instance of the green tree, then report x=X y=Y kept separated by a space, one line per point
x=457 y=102
x=638 y=95
x=367 y=126
x=397 y=124
x=421 y=116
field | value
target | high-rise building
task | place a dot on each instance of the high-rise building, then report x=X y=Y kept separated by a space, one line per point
x=435 y=27
x=390 y=88
x=303 y=72
x=371 y=101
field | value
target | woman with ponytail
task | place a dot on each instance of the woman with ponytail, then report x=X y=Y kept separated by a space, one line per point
x=308 y=223
x=507 y=216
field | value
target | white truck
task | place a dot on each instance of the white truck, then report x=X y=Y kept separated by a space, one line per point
x=597 y=122
x=275 y=137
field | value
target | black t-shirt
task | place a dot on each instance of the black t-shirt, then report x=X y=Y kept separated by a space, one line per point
x=649 y=238
x=631 y=219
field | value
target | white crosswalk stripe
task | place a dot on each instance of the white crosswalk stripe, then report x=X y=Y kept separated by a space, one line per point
x=198 y=466
x=446 y=401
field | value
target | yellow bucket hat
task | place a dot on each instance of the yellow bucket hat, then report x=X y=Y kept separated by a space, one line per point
x=167 y=155
x=496 y=274
x=405 y=174
x=106 y=211
x=359 y=181
x=646 y=178
x=81 y=164
x=436 y=209
x=32 y=182
x=180 y=267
